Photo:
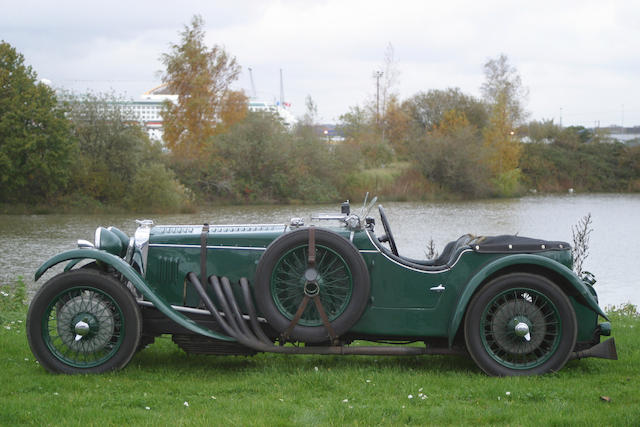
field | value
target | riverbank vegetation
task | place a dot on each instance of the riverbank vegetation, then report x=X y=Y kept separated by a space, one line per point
x=163 y=385
x=70 y=152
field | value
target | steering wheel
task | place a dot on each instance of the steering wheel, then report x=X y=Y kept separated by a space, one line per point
x=387 y=230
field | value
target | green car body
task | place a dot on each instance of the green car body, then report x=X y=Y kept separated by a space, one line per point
x=368 y=293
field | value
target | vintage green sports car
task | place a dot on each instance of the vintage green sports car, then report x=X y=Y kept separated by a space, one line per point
x=511 y=303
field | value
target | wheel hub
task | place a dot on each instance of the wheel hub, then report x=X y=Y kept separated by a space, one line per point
x=311 y=275
x=311 y=286
x=81 y=329
x=85 y=324
x=513 y=333
x=522 y=330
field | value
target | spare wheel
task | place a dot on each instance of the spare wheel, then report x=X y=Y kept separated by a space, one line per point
x=283 y=279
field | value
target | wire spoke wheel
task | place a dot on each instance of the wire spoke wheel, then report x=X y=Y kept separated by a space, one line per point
x=520 y=324
x=334 y=282
x=67 y=337
x=334 y=274
x=540 y=319
x=83 y=321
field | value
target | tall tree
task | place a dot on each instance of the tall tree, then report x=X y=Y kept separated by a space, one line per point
x=504 y=92
x=201 y=78
x=503 y=84
x=35 y=148
x=390 y=77
x=499 y=138
x=426 y=110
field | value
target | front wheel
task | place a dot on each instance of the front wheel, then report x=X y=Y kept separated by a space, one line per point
x=83 y=321
x=520 y=324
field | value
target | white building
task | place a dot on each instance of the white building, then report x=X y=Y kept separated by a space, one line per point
x=287 y=118
x=147 y=110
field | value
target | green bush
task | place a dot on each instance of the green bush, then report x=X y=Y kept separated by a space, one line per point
x=599 y=167
x=155 y=189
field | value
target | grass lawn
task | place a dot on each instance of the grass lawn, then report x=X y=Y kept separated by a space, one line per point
x=164 y=386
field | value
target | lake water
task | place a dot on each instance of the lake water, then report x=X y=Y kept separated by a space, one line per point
x=26 y=241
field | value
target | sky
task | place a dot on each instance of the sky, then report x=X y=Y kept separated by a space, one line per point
x=580 y=60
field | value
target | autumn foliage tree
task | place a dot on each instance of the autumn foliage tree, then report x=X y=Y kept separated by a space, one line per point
x=504 y=93
x=201 y=77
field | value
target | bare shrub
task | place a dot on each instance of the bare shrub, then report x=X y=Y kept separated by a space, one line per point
x=581 y=234
x=431 y=252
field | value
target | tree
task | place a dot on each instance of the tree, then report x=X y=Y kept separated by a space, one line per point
x=389 y=79
x=426 y=110
x=545 y=131
x=362 y=136
x=311 y=114
x=395 y=124
x=503 y=149
x=505 y=94
x=503 y=85
x=355 y=123
x=35 y=148
x=116 y=162
x=452 y=155
x=201 y=78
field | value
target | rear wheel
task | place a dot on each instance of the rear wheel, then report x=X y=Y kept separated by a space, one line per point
x=83 y=321
x=340 y=282
x=520 y=324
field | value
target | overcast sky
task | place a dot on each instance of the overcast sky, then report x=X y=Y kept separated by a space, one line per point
x=579 y=59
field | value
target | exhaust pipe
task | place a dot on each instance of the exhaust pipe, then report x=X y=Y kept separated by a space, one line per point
x=257 y=340
x=209 y=304
x=253 y=318
x=604 y=350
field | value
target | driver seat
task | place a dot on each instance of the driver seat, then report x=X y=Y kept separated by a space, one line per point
x=449 y=253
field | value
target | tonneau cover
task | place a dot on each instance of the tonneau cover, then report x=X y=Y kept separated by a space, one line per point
x=516 y=244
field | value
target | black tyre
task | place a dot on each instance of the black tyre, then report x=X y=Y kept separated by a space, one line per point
x=83 y=321
x=342 y=279
x=520 y=324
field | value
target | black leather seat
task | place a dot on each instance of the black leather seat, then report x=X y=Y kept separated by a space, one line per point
x=449 y=254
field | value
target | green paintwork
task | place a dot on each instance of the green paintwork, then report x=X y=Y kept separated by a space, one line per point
x=110 y=242
x=72 y=264
x=127 y=271
x=405 y=302
x=174 y=251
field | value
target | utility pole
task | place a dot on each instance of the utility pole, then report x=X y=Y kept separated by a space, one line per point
x=281 y=90
x=560 y=117
x=253 y=86
x=377 y=75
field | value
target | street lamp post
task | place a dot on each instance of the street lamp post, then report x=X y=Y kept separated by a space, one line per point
x=377 y=75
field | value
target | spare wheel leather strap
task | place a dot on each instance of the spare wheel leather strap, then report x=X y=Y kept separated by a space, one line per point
x=203 y=253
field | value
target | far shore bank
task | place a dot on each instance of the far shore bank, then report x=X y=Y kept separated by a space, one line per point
x=196 y=207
